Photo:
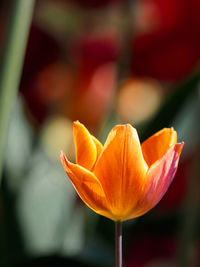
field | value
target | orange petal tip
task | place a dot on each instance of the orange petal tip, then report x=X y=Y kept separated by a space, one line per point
x=178 y=147
x=61 y=154
x=62 y=158
x=76 y=123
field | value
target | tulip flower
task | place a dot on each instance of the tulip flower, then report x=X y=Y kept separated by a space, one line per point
x=122 y=179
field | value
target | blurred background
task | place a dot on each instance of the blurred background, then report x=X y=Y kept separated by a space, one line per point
x=101 y=62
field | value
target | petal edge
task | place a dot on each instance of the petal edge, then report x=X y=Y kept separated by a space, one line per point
x=158 y=144
x=87 y=186
x=86 y=152
x=159 y=178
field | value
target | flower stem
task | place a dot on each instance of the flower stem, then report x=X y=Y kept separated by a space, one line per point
x=118 y=243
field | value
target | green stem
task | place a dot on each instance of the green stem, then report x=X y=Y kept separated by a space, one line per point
x=118 y=243
x=12 y=63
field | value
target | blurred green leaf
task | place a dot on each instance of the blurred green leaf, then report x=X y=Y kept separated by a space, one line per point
x=172 y=106
x=12 y=62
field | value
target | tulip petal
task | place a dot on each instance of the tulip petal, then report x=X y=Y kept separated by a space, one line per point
x=98 y=145
x=121 y=169
x=87 y=186
x=158 y=144
x=158 y=179
x=86 y=152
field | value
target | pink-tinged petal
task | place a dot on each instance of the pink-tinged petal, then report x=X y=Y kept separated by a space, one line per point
x=158 y=144
x=121 y=169
x=86 y=153
x=87 y=186
x=158 y=179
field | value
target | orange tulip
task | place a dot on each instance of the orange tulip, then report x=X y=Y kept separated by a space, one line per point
x=123 y=179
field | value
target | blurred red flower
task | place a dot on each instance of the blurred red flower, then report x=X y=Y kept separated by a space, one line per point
x=41 y=50
x=79 y=88
x=94 y=59
x=167 y=44
x=94 y=3
x=89 y=52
